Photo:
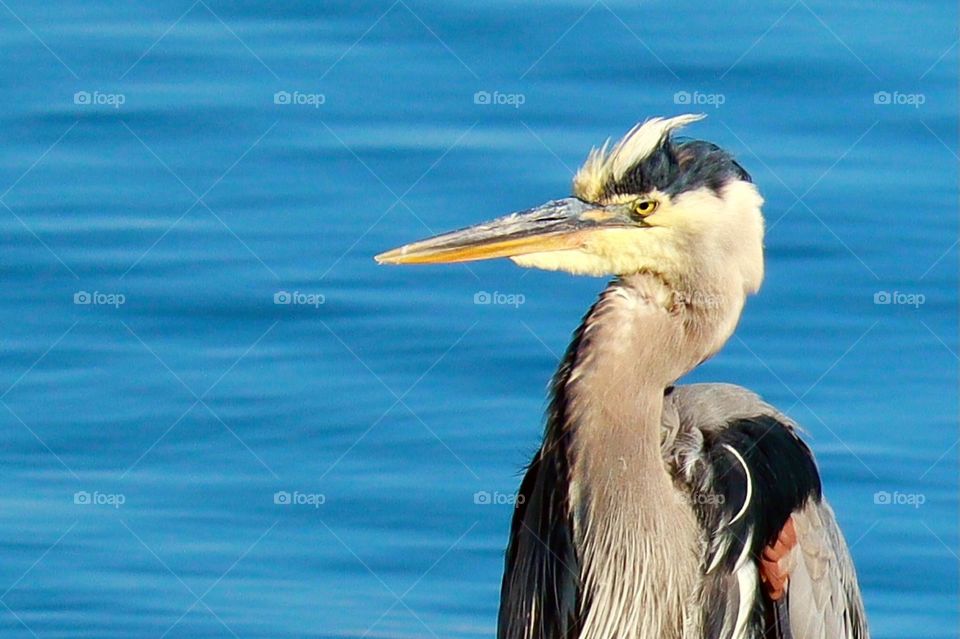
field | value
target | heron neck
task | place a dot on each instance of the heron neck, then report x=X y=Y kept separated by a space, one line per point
x=604 y=434
x=638 y=338
x=604 y=442
x=616 y=369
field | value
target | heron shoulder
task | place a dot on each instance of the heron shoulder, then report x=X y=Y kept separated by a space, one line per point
x=742 y=460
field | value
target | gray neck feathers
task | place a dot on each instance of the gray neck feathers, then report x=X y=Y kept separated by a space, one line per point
x=637 y=339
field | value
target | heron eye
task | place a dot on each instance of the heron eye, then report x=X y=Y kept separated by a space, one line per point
x=646 y=207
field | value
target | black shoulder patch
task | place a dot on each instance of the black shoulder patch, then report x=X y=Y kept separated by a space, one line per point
x=746 y=478
x=783 y=474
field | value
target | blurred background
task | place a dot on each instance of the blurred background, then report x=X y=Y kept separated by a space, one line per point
x=220 y=418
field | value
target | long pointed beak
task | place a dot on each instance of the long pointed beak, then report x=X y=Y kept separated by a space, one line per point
x=558 y=225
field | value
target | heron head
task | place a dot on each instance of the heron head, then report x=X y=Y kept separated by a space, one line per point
x=681 y=209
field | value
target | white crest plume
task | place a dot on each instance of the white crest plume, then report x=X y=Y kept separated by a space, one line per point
x=604 y=164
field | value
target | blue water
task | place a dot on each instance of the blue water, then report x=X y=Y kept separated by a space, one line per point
x=178 y=197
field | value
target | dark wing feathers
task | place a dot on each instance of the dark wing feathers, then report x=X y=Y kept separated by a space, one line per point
x=764 y=457
x=746 y=475
x=539 y=596
x=747 y=472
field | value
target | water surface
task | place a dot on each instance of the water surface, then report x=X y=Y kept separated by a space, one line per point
x=147 y=155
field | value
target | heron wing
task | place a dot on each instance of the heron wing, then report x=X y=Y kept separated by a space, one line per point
x=746 y=471
x=823 y=594
x=540 y=591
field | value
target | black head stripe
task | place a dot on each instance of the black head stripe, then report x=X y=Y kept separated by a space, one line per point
x=678 y=166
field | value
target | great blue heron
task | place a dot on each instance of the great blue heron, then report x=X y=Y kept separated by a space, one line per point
x=653 y=510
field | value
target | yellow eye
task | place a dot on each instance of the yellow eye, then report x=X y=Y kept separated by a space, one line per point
x=646 y=207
